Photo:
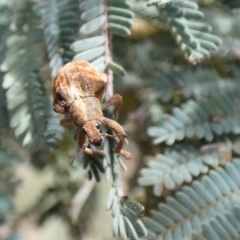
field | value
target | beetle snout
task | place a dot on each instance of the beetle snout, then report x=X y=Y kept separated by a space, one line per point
x=97 y=142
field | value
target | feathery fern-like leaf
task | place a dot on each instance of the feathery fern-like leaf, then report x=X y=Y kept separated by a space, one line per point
x=193 y=82
x=126 y=223
x=150 y=14
x=100 y=19
x=54 y=131
x=178 y=166
x=60 y=22
x=193 y=36
x=210 y=207
x=203 y=118
x=27 y=99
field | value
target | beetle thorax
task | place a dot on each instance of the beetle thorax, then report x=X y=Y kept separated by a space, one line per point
x=85 y=109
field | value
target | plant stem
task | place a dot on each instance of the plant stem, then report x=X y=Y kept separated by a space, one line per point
x=108 y=56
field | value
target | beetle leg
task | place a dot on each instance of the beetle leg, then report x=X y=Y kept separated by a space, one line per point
x=67 y=123
x=114 y=100
x=81 y=139
x=118 y=129
x=89 y=151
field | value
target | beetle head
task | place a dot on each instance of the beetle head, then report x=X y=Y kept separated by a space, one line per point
x=92 y=130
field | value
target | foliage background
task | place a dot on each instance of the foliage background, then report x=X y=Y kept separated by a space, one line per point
x=181 y=90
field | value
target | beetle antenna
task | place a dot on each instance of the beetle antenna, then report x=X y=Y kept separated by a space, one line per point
x=77 y=154
x=114 y=135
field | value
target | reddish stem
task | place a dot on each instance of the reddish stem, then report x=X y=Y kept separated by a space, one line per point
x=108 y=56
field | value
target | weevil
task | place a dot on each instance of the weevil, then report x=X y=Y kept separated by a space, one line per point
x=78 y=90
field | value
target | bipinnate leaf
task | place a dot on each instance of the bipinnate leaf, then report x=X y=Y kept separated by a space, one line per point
x=60 y=21
x=179 y=165
x=203 y=118
x=183 y=19
x=205 y=210
x=99 y=20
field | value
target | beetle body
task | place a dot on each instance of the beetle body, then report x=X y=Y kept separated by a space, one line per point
x=77 y=92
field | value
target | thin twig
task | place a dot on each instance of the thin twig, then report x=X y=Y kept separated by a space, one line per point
x=108 y=56
x=80 y=198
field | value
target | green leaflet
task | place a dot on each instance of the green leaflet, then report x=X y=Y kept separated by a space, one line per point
x=117 y=69
x=120 y=12
x=119 y=30
x=189 y=4
x=110 y=199
x=90 y=54
x=92 y=166
x=115 y=226
x=191 y=13
x=158 y=2
x=122 y=228
x=153 y=225
x=93 y=25
x=135 y=207
x=120 y=21
x=121 y=4
x=86 y=5
x=130 y=229
x=98 y=61
x=150 y=13
x=92 y=13
x=101 y=67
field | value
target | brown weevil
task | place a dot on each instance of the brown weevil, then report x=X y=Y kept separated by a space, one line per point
x=78 y=90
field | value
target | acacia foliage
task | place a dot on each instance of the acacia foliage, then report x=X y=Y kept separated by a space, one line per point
x=199 y=106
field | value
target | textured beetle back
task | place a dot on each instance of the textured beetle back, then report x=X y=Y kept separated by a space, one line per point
x=82 y=76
